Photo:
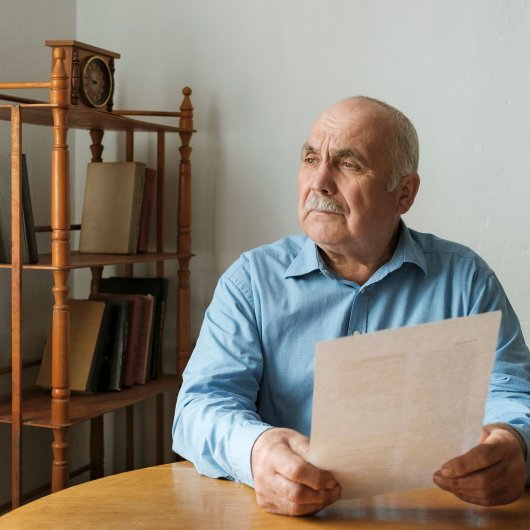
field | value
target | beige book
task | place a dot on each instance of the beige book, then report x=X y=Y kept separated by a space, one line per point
x=111 y=207
x=87 y=337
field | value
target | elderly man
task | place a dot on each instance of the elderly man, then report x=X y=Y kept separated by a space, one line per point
x=244 y=410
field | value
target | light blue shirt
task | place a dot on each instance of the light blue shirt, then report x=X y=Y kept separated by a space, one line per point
x=252 y=367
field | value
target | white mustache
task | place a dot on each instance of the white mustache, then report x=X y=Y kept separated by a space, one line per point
x=322 y=203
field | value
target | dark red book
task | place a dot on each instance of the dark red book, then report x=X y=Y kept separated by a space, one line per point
x=147 y=209
x=145 y=340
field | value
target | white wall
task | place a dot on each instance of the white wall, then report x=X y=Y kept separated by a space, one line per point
x=261 y=71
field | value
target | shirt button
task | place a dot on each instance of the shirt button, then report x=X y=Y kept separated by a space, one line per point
x=356 y=332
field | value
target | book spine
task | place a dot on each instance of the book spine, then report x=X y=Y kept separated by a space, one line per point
x=93 y=380
x=147 y=208
x=120 y=347
x=142 y=363
x=156 y=359
x=137 y=208
x=30 y=240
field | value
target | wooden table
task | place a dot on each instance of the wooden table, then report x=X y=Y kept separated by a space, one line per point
x=176 y=496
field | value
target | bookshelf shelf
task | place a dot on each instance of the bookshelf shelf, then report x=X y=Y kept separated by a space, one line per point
x=59 y=408
x=88 y=119
x=82 y=260
x=36 y=410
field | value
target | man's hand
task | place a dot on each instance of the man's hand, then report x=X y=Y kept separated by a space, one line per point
x=491 y=473
x=285 y=482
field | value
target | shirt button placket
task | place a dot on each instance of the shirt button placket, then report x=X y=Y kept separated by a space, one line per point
x=358 y=313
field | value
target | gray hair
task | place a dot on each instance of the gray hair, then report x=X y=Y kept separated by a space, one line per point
x=405 y=152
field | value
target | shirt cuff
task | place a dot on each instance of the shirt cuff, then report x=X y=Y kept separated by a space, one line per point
x=242 y=440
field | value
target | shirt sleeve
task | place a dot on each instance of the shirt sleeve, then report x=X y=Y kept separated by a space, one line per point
x=216 y=421
x=508 y=398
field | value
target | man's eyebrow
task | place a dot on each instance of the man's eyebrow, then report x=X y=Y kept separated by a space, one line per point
x=349 y=153
x=306 y=148
x=346 y=153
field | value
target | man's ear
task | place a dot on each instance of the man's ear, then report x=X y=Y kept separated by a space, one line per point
x=408 y=188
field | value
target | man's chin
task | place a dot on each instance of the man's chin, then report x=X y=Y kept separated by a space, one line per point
x=323 y=238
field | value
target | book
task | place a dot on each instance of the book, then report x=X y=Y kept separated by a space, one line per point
x=29 y=241
x=147 y=209
x=88 y=334
x=158 y=288
x=143 y=360
x=135 y=323
x=111 y=207
x=110 y=367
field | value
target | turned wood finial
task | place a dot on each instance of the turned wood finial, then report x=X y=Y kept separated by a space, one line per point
x=58 y=78
x=186 y=107
x=58 y=53
x=58 y=69
x=186 y=116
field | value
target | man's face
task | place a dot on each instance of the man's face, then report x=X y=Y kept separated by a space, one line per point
x=343 y=202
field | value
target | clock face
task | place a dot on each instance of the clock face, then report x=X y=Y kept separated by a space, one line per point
x=96 y=82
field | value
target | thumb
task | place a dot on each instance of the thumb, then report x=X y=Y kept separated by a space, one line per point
x=299 y=444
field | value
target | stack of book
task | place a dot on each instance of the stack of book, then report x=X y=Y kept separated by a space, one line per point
x=117 y=208
x=115 y=336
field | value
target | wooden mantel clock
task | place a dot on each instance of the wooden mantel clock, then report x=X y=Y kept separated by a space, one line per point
x=91 y=74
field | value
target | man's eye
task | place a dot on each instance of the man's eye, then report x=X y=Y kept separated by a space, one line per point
x=310 y=160
x=348 y=164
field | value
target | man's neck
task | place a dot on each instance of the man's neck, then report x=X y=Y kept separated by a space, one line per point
x=359 y=269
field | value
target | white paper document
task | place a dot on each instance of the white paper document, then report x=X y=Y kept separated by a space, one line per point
x=389 y=408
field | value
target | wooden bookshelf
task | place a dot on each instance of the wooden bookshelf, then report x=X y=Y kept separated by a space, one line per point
x=59 y=409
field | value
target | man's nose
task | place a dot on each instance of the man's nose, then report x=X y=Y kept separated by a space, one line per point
x=324 y=179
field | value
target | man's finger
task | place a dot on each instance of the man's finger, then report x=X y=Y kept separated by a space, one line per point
x=479 y=457
x=301 y=494
x=298 y=470
x=289 y=461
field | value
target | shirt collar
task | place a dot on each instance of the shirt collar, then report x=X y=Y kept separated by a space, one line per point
x=306 y=261
x=407 y=251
